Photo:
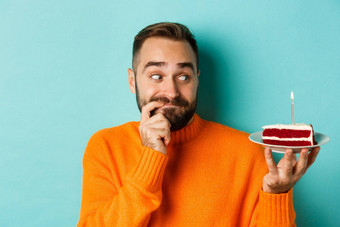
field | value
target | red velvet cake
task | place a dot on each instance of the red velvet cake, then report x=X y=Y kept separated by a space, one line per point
x=289 y=135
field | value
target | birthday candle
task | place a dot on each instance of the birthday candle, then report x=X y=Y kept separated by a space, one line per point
x=292 y=98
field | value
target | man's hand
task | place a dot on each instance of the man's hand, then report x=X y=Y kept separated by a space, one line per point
x=284 y=176
x=154 y=131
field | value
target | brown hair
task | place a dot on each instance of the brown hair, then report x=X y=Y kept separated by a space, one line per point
x=173 y=31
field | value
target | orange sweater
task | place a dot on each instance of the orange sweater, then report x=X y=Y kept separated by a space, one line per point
x=211 y=176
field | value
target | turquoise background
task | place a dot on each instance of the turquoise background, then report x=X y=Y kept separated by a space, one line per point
x=63 y=76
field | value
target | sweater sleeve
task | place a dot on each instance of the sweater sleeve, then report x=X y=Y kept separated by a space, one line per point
x=276 y=209
x=271 y=209
x=108 y=202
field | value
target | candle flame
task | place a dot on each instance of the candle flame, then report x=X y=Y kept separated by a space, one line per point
x=292 y=96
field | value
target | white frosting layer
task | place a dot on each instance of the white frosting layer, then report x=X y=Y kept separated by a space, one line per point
x=299 y=126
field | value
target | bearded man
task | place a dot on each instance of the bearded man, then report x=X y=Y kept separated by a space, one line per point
x=173 y=168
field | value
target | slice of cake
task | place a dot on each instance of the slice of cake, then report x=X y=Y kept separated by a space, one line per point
x=289 y=135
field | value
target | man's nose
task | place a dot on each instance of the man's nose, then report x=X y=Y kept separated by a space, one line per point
x=170 y=88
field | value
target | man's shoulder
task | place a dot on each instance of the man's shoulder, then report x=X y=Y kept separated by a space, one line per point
x=125 y=130
x=113 y=144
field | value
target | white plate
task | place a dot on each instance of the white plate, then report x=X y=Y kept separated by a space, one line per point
x=321 y=139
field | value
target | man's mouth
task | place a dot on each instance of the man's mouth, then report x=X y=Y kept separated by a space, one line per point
x=164 y=109
x=166 y=106
x=167 y=102
x=169 y=105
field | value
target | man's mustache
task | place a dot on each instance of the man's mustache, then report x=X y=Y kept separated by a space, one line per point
x=176 y=102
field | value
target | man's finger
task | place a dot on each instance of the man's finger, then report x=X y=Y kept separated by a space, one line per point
x=294 y=159
x=270 y=161
x=166 y=136
x=287 y=166
x=145 y=115
x=158 y=121
x=312 y=156
x=302 y=163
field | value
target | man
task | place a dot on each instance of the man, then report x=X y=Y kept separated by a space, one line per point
x=173 y=168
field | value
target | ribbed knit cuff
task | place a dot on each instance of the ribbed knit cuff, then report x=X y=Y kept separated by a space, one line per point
x=150 y=169
x=276 y=209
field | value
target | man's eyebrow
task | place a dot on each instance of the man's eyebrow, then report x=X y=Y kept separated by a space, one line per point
x=154 y=63
x=186 y=64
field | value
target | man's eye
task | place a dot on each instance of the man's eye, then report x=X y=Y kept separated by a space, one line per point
x=156 y=77
x=183 y=77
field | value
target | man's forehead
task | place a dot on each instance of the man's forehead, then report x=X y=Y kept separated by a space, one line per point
x=158 y=49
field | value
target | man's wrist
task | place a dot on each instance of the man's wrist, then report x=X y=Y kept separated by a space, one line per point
x=267 y=189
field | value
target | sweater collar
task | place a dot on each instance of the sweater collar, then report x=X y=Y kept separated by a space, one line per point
x=189 y=132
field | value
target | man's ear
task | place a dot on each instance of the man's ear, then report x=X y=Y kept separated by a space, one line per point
x=132 y=82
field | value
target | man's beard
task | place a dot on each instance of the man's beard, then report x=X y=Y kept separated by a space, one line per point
x=178 y=116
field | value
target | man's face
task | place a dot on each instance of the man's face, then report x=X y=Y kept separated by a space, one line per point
x=167 y=72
